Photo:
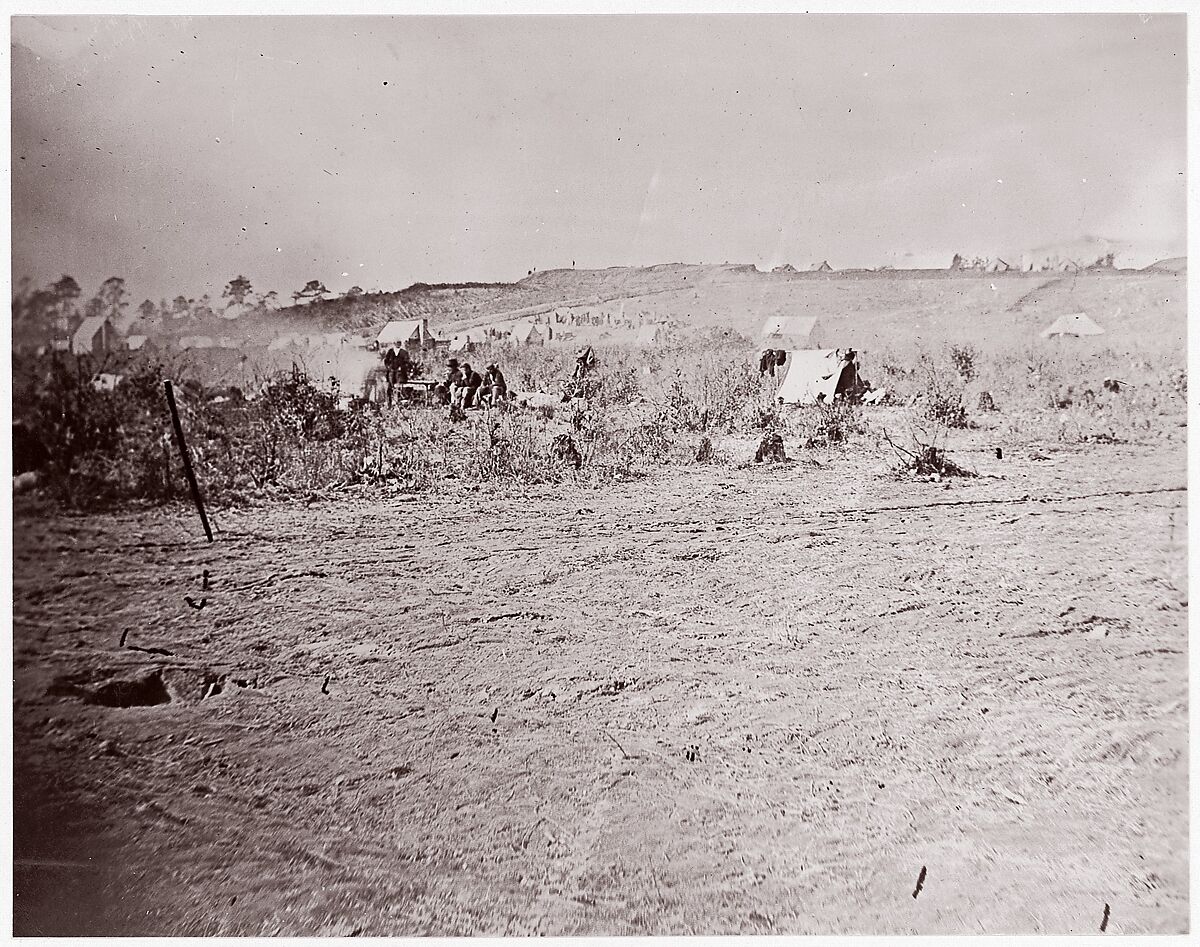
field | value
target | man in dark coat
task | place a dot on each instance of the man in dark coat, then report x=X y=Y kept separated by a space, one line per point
x=471 y=383
x=397 y=366
x=494 y=385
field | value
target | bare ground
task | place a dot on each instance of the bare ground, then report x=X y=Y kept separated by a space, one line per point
x=719 y=701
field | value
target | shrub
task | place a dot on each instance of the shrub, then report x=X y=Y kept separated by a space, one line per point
x=963 y=357
x=837 y=421
x=925 y=453
x=943 y=398
x=101 y=445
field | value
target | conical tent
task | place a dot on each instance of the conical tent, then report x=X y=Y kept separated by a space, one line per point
x=810 y=374
x=1077 y=323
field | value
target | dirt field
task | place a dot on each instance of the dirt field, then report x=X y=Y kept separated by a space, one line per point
x=761 y=700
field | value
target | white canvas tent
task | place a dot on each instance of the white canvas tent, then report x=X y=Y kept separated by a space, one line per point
x=798 y=330
x=415 y=332
x=1077 y=323
x=810 y=374
x=95 y=334
x=528 y=333
x=465 y=341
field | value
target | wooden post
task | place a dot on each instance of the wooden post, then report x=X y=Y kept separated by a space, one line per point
x=187 y=460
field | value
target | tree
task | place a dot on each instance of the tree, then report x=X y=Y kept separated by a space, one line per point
x=65 y=291
x=202 y=307
x=112 y=296
x=354 y=291
x=237 y=290
x=180 y=306
x=146 y=309
x=39 y=306
x=95 y=307
x=313 y=289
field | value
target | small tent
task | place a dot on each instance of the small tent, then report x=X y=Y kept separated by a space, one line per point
x=822 y=267
x=95 y=335
x=1076 y=324
x=811 y=374
x=411 y=334
x=528 y=333
x=799 y=331
x=466 y=341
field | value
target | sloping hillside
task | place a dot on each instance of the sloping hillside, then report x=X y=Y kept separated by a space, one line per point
x=1177 y=264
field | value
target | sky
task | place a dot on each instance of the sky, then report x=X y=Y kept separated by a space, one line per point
x=178 y=153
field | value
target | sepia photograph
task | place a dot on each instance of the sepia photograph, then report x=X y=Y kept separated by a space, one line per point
x=599 y=474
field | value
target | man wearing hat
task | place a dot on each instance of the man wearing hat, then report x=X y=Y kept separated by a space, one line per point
x=445 y=390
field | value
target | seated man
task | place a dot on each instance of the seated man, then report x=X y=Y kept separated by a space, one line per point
x=471 y=383
x=494 y=386
x=446 y=390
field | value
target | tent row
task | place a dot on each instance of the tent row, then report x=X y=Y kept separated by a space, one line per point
x=416 y=335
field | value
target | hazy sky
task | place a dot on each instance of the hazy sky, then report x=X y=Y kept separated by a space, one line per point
x=179 y=152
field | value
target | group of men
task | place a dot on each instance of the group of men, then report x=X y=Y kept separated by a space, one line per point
x=397 y=366
x=464 y=387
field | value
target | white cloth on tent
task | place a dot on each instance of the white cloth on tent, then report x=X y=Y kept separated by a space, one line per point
x=810 y=374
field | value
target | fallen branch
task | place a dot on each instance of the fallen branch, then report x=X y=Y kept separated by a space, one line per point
x=619 y=747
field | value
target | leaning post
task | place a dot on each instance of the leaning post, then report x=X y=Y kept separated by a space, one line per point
x=187 y=460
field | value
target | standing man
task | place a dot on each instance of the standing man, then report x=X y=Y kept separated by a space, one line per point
x=397 y=365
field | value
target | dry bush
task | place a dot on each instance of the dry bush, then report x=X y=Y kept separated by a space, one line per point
x=964 y=358
x=924 y=452
x=508 y=446
x=709 y=391
x=822 y=425
x=102 y=446
x=942 y=397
